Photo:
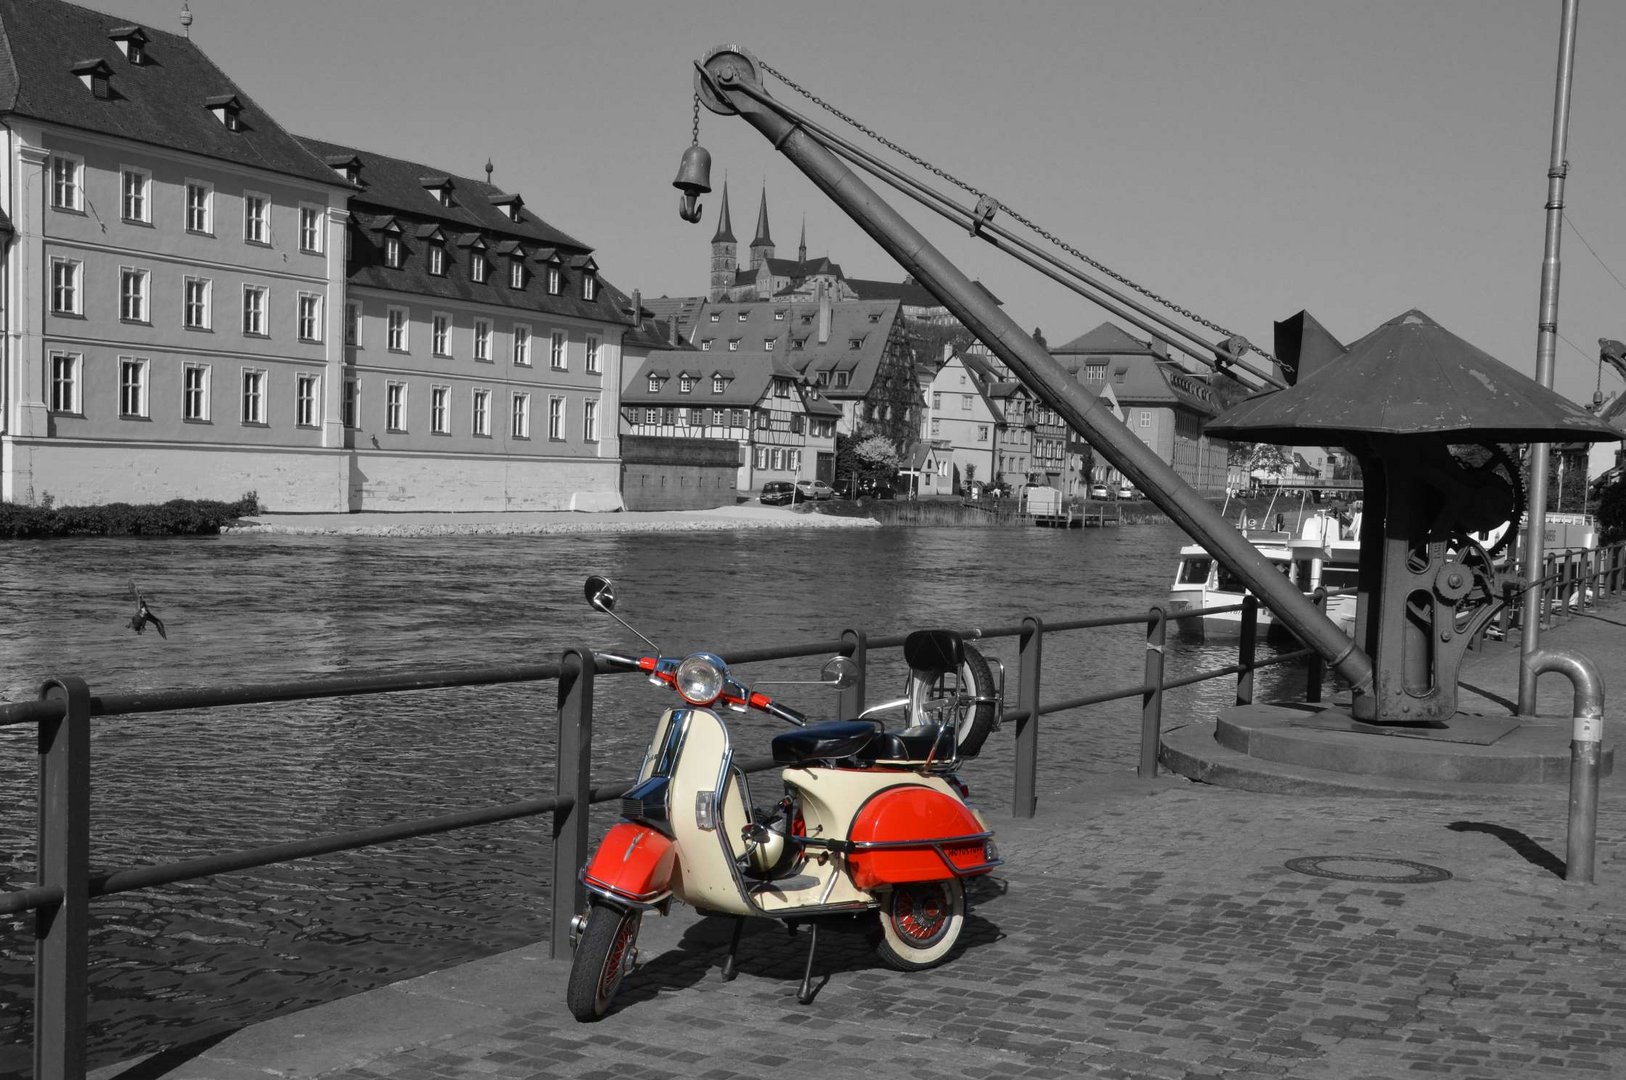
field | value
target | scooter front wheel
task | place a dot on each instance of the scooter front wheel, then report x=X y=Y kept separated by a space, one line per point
x=603 y=956
x=920 y=922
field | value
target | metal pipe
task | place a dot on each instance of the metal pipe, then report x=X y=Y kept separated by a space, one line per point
x=1546 y=349
x=721 y=85
x=1586 y=743
x=1151 y=708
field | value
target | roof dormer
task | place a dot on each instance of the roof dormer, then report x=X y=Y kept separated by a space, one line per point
x=439 y=188
x=132 y=42
x=96 y=76
x=227 y=109
x=347 y=167
x=512 y=205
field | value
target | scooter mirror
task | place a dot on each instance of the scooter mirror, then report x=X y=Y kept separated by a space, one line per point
x=600 y=594
x=839 y=672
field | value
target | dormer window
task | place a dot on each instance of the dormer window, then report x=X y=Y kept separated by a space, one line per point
x=779 y=315
x=743 y=316
x=654 y=384
x=132 y=42
x=227 y=110
x=95 y=74
x=477 y=268
x=875 y=317
x=512 y=205
x=516 y=271
x=855 y=343
x=347 y=167
x=392 y=252
x=589 y=280
x=733 y=344
x=439 y=188
x=716 y=315
x=685 y=384
x=717 y=384
x=437 y=259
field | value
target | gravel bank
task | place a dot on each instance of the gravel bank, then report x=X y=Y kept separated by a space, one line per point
x=744 y=516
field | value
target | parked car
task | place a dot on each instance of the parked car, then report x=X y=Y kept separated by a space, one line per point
x=779 y=493
x=815 y=489
x=1126 y=490
x=1099 y=491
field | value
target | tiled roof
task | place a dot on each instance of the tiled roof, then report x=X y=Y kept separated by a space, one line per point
x=686 y=308
x=868 y=323
x=749 y=379
x=908 y=293
x=1107 y=339
x=163 y=102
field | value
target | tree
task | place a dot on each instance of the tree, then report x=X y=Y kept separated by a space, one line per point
x=1274 y=461
x=1612 y=513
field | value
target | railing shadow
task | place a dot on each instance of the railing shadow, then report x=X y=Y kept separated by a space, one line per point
x=1522 y=845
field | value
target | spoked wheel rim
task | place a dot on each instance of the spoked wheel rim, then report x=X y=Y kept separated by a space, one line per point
x=922 y=913
x=615 y=964
x=919 y=924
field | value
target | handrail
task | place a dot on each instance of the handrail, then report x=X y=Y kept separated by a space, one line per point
x=66 y=707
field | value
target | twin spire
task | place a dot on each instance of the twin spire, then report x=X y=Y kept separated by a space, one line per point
x=725 y=223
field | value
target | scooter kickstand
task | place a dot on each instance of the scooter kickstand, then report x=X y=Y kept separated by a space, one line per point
x=804 y=996
x=730 y=969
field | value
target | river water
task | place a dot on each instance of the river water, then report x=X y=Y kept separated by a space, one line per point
x=181 y=963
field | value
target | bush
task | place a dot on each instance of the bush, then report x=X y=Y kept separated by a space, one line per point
x=178 y=517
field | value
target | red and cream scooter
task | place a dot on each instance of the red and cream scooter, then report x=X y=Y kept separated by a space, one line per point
x=868 y=822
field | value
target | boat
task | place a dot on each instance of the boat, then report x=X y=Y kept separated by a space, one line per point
x=1325 y=554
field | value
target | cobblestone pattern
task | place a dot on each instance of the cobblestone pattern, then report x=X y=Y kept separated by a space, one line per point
x=1157 y=933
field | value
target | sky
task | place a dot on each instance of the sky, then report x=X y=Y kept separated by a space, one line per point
x=1245 y=159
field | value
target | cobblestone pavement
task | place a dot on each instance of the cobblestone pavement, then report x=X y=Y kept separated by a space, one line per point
x=1139 y=929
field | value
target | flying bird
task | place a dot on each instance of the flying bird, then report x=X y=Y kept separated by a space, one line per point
x=143 y=615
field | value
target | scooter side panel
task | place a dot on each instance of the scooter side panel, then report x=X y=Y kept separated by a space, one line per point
x=633 y=863
x=911 y=833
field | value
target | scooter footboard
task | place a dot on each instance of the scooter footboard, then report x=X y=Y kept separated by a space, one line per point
x=633 y=864
x=910 y=833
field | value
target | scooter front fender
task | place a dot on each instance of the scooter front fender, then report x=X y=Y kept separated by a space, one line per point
x=633 y=865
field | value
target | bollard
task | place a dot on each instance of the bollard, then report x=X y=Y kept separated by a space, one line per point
x=1586 y=743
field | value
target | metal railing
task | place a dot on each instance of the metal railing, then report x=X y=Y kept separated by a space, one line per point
x=1571 y=583
x=66 y=884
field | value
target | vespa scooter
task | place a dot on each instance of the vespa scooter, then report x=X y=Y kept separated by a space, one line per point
x=868 y=823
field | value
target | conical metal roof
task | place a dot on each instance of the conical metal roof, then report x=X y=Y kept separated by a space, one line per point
x=1411 y=376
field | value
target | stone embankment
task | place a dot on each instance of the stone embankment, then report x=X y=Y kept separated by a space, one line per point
x=745 y=516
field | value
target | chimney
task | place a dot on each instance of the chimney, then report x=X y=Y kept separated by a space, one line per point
x=672 y=327
x=824 y=315
x=637 y=308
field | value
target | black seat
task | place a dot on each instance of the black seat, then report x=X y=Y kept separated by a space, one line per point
x=928 y=742
x=818 y=742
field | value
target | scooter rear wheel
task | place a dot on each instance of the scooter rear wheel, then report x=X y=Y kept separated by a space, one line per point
x=602 y=957
x=920 y=923
x=974 y=713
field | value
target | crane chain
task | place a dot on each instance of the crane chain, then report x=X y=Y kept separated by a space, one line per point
x=1185 y=313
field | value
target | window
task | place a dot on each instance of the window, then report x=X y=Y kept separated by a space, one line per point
x=556 y=418
x=589 y=286
x=590 y=420
x=855 y=343
x=937 y=400
x=200 y=198
x=310 y=317
x=477 y=268
x=781 y=388
x=652 y=416
x=767 y=344
x=592 y=353
x=762 y=457
x=392 y=252
x=841 y=379
x=733 y=344
x=351 y=406
x=654 y=384
x=254 y=299
x=195 y=392
x=395 y=406
x=310 y=229
x=67 y=183
x=556 y=350
x=522 y=345
x=982 y=432
x=439 y=399
x=253 y=396
x=738 y=418
x=395 y=326
x=437 y=260
x=482 y=412
x=965 y=402
x=132 y=294
x=1145 y=418
x=522 y=416
x=717 y=384
x=135 y=203
x=554 y=281
x=516 y=274
x=196 y=308
x=705 y=346
x=743 y=316
x=65 y=292
x=352 y=324
x=779 y=315
x=440 y=328
x=256 y=215
x=65 y=382
x=683 y=417
x=306 y=398
x=482 y=341
x=796 y=343
x=685 y=384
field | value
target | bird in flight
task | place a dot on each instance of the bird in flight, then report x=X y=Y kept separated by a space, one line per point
x=143 y=614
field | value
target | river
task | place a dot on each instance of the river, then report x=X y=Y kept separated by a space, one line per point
x=184 y=962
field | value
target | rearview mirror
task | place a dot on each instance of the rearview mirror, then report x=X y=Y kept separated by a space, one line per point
x=840 y=672
x=600 y=594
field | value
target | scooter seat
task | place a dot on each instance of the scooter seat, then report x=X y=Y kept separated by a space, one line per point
x=912 y=744
x=818 y=742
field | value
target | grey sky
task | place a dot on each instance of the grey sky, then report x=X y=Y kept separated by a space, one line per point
x=1245 y=159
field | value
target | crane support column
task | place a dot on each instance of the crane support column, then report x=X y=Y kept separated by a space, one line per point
x=728 y=82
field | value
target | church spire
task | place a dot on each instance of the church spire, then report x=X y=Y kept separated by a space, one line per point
x=801 y=248
x=725 y=228
x=762 y=246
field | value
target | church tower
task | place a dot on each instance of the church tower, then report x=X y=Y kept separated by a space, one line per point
x=762 y=246
x=801 y=248
x=724 y=262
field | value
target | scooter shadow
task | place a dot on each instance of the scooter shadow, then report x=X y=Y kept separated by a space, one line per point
x=768 y=951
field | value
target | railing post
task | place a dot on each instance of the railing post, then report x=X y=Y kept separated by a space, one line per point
x=62 y=931
x=1026 y=799
x=1510 y=601
x=574 y=789
x=1151 y=701
x=853 y=644
x=1245 y=649
x=1315 y=670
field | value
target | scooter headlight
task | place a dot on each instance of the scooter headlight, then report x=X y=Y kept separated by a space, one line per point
x=701 y=678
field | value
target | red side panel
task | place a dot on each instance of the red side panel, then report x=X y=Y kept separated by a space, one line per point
x=633 y=862
x=911 y=833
